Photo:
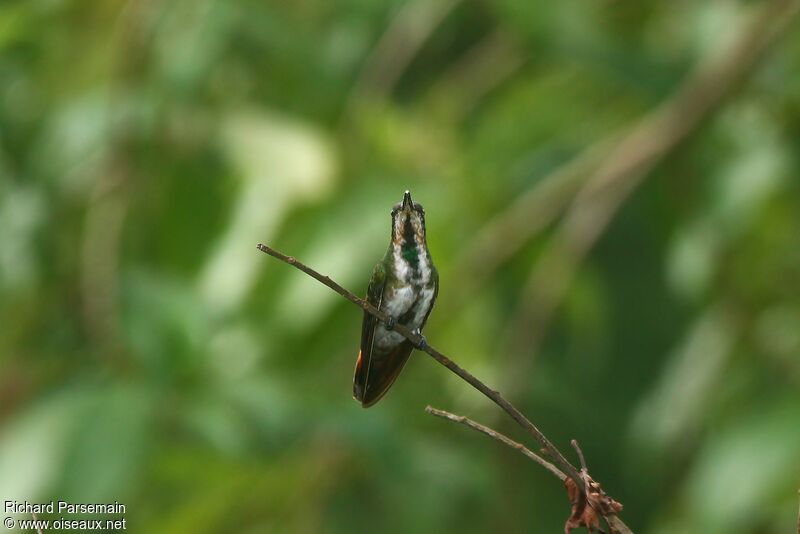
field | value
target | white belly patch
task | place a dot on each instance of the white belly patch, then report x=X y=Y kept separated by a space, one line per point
x=398 y=304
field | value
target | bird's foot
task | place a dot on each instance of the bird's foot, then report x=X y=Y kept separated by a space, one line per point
x=390 y=323
x=423 y=343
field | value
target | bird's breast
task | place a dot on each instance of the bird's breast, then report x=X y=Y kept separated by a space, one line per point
x=399 y=299
x=408 y=304
x=417 y=272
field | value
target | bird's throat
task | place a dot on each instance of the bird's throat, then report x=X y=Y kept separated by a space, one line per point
x=411 y=249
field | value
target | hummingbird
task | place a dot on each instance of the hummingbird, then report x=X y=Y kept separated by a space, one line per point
x=404 y=284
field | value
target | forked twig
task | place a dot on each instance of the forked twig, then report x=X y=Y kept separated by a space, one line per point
x=419 y=341
x=592 y=494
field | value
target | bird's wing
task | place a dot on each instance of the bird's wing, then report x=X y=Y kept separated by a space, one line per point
x=382 y=372
x=374 y=376
x=375 y=297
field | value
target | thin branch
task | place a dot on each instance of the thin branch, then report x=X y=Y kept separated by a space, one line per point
x=466 y=421
x=419 y=342
x=578 y=450
x=615 y=524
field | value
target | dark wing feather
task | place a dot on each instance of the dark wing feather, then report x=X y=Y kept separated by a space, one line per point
x=368 y=324
x=383 y=371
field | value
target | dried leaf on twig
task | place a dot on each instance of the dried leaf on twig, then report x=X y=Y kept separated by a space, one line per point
x=588 y=506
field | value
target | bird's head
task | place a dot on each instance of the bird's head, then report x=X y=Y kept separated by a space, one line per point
x=408 y=222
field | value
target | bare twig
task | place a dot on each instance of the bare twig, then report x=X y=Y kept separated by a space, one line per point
x=502 y=438
x=614 y=523
x=419 y=341
x=579 y=452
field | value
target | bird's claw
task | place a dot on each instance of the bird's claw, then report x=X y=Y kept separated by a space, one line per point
x=390 y=323
x=423 y=343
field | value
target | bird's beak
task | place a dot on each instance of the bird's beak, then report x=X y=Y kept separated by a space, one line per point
x=407 y=203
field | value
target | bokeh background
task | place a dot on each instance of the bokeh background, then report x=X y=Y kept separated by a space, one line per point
x=150 y=354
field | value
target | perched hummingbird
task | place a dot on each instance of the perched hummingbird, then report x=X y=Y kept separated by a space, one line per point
x=404 y=284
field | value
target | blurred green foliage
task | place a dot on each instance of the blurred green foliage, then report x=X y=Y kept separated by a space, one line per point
x=149 y=354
